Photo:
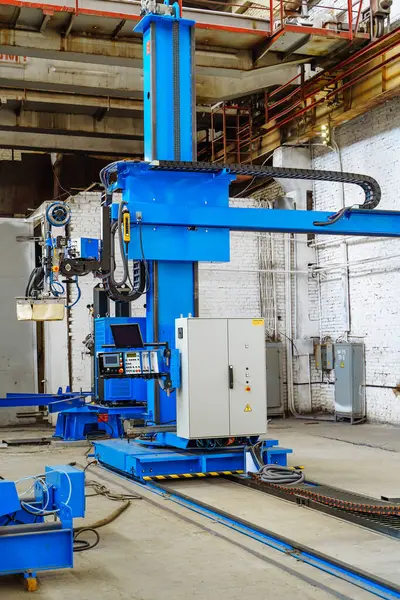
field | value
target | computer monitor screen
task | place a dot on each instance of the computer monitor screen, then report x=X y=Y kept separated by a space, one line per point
x=127 y=336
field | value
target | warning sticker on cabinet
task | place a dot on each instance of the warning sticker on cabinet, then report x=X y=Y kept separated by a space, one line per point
x=257 y=322
x=248 y=408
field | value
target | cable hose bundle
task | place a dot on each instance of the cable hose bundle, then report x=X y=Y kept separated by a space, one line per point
x=118 y=226
x=35 y=283
x=112 y=284
x=280 y=475
x=99 y=489
x=80 y=545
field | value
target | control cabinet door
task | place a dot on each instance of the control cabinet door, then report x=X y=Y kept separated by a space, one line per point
x=248 y=393
x=203 y=398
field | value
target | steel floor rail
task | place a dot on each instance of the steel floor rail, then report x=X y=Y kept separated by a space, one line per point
x=366 y=581
x=377 y=515
x=377 y=586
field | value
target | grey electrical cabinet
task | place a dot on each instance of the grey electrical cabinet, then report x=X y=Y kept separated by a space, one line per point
x=349 y=381
x=274 y=382
x=223 y=384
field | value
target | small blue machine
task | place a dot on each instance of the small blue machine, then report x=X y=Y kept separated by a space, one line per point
x=28 y=542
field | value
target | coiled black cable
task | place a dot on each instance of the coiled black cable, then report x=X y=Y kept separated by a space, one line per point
x=82 y=545
x=35 y=283
x=280 y=475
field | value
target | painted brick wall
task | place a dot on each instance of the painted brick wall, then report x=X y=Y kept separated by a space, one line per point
x=231 y=289
x=369 y=144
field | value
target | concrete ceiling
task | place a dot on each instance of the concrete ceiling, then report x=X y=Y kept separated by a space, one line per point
x=71 y=72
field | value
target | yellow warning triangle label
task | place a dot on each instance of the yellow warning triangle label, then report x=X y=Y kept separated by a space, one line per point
x=247 y=408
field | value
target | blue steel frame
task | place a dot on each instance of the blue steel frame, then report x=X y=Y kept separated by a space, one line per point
x=382 y=223
x=169 y=113
x=55 y=402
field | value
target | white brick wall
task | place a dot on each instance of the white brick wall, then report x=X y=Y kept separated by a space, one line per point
x=369 y=144
x=85 y=222
x=231 y=289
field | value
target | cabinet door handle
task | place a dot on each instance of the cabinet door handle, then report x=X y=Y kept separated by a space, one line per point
x=230 y=377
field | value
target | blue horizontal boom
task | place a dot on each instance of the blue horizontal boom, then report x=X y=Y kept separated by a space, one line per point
x=353 y=222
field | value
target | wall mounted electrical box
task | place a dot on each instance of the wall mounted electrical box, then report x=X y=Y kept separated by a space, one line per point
x=274 y=381
x=324 y=356
x=223 y=383
x=349 y=382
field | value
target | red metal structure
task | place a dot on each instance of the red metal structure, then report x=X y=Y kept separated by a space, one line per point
x=298 y=97
x=231 y=139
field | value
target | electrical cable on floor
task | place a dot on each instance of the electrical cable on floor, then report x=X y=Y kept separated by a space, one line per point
x=82 y=545
x=93 y=462
x=276 y=474
x=280 y=475
x=102 y=490
x=99 y=489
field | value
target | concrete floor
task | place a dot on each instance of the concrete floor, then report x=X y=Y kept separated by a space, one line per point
x=361 y=458
x=159 y=551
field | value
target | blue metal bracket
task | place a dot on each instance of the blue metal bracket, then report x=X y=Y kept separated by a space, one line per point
x=27 y=542
x=55 y=402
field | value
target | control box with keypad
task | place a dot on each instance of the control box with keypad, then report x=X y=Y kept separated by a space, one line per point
x=144 y=364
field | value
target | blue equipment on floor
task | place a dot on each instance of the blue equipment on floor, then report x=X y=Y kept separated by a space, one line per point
x=28 y=542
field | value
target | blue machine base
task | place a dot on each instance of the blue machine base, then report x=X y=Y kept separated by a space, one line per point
x=93 y=419
x=145 y=463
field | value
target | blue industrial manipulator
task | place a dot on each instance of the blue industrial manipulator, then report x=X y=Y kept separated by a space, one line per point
x=29 y=542
x=180 y=214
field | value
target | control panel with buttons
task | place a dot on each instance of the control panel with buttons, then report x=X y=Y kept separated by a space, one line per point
x=160 y=364
x=133 y=364
x=112 y=363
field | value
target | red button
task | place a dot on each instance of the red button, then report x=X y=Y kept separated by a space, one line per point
x=120 y=370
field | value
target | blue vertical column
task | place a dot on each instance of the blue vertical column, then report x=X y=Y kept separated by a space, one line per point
x=169 y=134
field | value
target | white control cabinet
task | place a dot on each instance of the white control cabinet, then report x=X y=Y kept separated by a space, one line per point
x=223 y=378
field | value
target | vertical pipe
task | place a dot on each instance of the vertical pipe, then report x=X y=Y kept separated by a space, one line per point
x=250 y=137
x=266 y=107
x=288 y=326
x=237 y=136
x=271 y=16
x=344 y=250
x=224 y=129
x=274 y=287
x=358 y=17
x=350 y=17
x=193 y=76
x=212 y=136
